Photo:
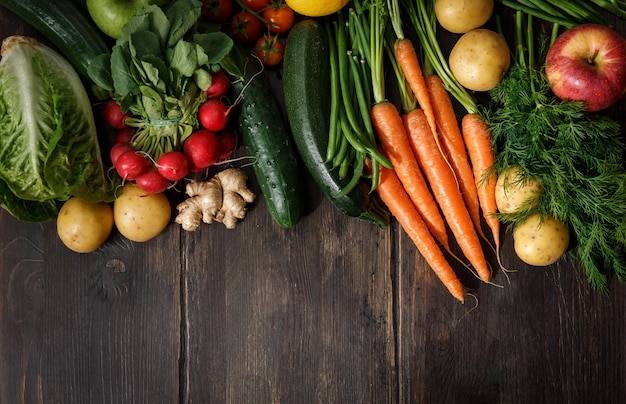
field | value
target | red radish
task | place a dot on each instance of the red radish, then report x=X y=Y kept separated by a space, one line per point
x=116 y=151
x=114 y=115
x=173 y=165
x=124 y=135
x=130 y=165
x=152 y=181
x=213 y=115
x=202 y=149
x=220 y=85
x=228 y=143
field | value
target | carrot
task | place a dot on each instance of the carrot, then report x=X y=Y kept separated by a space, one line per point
x=392 y=193
x=445 y=188
x=478 y=142
x=410 y=65
x=395 y=142
x=452 y=140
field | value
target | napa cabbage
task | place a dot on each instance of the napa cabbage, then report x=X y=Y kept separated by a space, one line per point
x=49 y=147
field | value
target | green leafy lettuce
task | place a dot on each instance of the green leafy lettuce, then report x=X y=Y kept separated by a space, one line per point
x=49 y=148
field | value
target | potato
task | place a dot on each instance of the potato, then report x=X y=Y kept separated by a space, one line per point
x=514 y=192
x=140 y=216
x=479 y=59
x=460 y=16
x=540 y=243
x=82 y=226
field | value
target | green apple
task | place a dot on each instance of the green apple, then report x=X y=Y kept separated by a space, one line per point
x=111 y=15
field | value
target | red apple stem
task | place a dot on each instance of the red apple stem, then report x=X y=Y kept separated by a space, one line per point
x=591 y=60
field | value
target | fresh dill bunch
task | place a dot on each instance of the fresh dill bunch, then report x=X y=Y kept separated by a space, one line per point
x=578 y=159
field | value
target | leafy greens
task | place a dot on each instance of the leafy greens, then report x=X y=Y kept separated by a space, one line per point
x=158 y=71
x=49 y=148
x=576 y=156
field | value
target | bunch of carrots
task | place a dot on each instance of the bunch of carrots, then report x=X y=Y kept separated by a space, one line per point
x=441 y=170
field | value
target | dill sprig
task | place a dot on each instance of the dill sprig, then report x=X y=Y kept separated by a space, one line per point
x=576 y=156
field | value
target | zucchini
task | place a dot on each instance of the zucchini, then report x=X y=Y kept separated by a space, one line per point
x=67 y=25
x=266 y=137
x=306 y=87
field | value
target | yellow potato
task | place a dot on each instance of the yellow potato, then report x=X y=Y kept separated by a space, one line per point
x=538 y=243
x=140 y=216
x=84 y=226
x=460 y=16
x=479 y=59
x=514 y=192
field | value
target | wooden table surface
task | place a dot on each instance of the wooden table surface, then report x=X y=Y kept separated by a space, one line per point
x=334 y=310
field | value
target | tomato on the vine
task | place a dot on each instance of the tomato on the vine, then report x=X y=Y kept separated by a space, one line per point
x=279 y=17
x=255 y=5
x=269 y=49
x=245 y=27
x=217 y=11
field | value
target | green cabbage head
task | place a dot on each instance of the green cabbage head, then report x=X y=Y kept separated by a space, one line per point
x=49 y=147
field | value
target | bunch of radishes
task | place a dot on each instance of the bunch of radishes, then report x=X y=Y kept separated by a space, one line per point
x=208 y=144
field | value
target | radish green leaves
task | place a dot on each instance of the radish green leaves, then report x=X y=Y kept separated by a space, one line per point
x=159 y=70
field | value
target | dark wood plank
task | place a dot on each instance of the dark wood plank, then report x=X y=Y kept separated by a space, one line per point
x=290 y=315
x=545 y=336
x=100 y=327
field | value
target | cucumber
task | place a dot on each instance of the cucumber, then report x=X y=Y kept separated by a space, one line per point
x=306 y=87
x=68 y=26
x=266 y=136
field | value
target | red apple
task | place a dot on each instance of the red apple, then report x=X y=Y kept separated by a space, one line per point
x=588 y=63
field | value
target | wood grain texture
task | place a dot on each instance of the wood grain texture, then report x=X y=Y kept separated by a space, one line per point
x=284 y=315
x=88 y=327
x=334 y=310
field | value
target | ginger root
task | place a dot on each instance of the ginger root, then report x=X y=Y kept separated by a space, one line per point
x=223 y=198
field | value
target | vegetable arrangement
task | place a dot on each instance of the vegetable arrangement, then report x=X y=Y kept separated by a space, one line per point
x=420 y=127
x=469 y=150
x=185 y=80
x=482 y=161
x=307 y=87
x=576 y=157
x=158 y=72
x=168 y=79
x=173 y=81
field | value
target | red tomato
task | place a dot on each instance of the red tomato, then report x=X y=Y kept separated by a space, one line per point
x=269 y=49
x=245 y=27
x=217 y=11
x=279 y=17
x=255 y=5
